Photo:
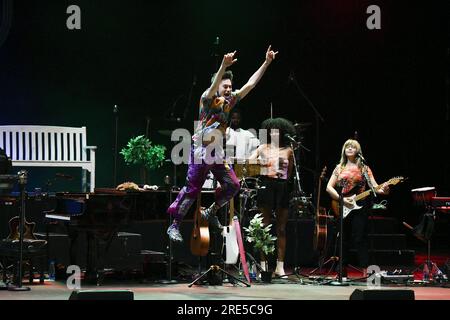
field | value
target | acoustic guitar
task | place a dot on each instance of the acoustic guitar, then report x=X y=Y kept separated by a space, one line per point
x=355 y=198
x=230 y=239
x=200 y=232
x=320 y=230
x=14 y=232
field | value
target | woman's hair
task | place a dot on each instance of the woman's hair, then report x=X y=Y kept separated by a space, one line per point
x=283 y=125
x=357 y=146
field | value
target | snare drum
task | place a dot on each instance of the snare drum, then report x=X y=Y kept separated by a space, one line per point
x=422 y=196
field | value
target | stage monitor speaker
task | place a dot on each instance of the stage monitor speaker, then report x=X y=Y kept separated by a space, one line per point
x=102 y=295
x=378 y=294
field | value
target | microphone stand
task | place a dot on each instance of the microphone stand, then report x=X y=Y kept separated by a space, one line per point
x=148 y=136
x=169 y=279
x=366 y=176
x=189 y=99
x=340 y=282
x=22 y=178
x=318 y=119
x=116 y=130
x=297 y=174
x=300 y=194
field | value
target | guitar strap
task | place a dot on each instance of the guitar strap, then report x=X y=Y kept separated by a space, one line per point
x=369 y=183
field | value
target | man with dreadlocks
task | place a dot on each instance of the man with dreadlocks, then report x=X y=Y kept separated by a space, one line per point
x=276 y=158
x=216 y=104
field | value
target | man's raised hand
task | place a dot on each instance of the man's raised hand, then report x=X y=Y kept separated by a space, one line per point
x=228 y=59
x=270 y=54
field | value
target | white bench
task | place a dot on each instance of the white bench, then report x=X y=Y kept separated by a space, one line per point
x=48 y=146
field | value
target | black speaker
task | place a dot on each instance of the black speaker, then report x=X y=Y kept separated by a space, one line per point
x=378 y=294
x=102 y=295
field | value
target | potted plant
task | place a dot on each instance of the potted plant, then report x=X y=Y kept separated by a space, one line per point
x=141 y=151
x=263 y=241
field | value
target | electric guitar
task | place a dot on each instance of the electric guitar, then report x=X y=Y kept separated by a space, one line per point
x=200 y=232
x=230 y=239
x=355 y=198
x=320 y=230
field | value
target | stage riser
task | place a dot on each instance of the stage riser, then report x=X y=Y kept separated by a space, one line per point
x=383 y=225
x=386 y=257
x=124 y=253
x=387 y=241
x=154 y=237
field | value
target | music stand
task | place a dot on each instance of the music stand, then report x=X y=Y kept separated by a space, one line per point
x=424 y=230
x=21 y=178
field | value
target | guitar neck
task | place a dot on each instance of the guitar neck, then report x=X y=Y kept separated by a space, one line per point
x=318 y=198
x=363 y=195
x=231 y=211
x=366 y=193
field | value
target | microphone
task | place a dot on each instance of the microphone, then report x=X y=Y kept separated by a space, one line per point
x=290 y=138
x=359 y=155
x=216 y=44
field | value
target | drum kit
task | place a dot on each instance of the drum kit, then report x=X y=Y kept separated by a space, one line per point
x=248 y=173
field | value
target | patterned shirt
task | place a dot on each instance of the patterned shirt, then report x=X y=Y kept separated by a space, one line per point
x=214 y=114
x=351 y=179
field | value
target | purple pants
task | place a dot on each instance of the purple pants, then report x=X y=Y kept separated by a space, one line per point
x=196 y=176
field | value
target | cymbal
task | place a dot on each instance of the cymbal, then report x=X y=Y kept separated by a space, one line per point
x=302 y=124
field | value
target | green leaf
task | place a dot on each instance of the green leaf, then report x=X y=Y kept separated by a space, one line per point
x=260 y=236
x=140 y=151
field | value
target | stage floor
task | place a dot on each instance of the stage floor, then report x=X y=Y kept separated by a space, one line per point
x=294 y=288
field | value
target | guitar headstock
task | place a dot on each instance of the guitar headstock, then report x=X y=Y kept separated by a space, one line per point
x=324 y=172
x=395 y=180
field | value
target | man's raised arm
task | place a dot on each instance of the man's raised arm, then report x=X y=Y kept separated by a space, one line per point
x=254 y=79
x=226 y=62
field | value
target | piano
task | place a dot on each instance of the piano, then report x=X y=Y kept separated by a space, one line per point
x=100 y=215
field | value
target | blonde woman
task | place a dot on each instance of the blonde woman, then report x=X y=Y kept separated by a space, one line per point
x=352 y=176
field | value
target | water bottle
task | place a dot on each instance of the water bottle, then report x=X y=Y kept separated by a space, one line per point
x=426 y=273
x=51 y=271
x=252 y=271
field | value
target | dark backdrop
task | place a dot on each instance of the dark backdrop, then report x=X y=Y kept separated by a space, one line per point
x=389 y=85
